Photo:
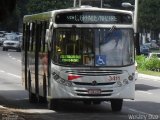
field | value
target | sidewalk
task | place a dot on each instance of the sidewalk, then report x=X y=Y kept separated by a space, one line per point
x=148 y=76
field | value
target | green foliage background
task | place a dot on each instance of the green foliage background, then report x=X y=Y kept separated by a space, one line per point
x=36 y=6
x=152 y=64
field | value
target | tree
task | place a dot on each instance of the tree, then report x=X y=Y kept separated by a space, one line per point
x=14 y=21
x=149 y=16
x=36 y=6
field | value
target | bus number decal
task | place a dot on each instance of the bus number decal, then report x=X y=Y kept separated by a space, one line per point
x=113 y=78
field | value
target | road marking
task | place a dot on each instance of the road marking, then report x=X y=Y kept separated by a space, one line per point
x=2 y=71
x=131 y=109
x=18 y=60
x=137 y=111
x=13 y=58
x=144 y=92
x=156 y=80
x=17 y=76
x=151 y=79
x=13 y=75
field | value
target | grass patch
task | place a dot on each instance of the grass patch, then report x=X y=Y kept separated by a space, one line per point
x=149 y=72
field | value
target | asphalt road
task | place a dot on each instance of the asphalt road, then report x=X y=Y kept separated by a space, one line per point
x=14 y=99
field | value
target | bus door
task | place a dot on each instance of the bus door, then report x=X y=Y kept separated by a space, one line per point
x=42 y=59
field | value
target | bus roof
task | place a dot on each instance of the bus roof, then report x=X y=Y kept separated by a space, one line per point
x=47 y=15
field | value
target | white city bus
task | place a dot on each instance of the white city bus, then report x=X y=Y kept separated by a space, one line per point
x=79 y=54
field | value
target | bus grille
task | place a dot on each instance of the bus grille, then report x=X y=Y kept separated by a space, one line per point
x=93 y=94
x=94 y=72
x=91 y=84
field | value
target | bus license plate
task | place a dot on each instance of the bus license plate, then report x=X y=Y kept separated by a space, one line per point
x=94 y=91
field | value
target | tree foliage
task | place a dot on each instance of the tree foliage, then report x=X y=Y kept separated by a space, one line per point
x=36 y=6
x=149 y=11
x=149 y=14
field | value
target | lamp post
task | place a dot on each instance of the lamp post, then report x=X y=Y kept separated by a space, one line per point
x=136 y=28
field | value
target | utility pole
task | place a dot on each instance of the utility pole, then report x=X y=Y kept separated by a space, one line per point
x=74 y=3
x=136 y=28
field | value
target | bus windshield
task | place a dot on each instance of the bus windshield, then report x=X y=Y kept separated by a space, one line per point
x=93 y=47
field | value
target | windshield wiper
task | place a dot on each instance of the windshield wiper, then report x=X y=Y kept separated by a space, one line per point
x=112 y=29
x=109 y=34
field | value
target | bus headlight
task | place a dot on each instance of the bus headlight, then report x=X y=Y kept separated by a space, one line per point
x=125 y=82
x=130 y=78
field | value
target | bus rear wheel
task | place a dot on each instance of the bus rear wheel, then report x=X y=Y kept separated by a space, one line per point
x=32 y=98
x=116 y=104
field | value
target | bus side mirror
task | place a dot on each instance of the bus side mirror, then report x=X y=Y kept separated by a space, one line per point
x=48 y=39
x=47 y=35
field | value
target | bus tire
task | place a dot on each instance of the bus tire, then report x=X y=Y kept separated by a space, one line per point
x=116 y=104
x=32 y=97
x=53 y=104
x=42 y=99
x=96 y=102
x=87 y=102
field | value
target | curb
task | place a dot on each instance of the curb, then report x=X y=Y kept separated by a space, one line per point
x=148 y=76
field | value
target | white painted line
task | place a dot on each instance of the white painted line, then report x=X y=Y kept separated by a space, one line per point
x=133 y=110
x=14 y=75
x=13 y=58
x=2 y=71
x=137 y=111
x=144 y=92
x=18 y=60
x=155 y=80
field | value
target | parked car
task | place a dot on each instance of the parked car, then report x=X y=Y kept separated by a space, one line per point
x=14 y=44
x=2 y=33
x=154 y=44
x=144 y=49
x=154 y=54
x=2 y=39
x=6 y=36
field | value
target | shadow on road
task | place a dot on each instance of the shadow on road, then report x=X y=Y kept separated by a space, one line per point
x=75 y=110
x=144 y=87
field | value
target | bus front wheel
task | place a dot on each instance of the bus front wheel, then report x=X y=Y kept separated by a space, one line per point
x=116 y=104
x=32 y=96
x=53 y=104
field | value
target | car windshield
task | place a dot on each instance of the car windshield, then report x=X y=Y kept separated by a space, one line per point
x=10 y=37
x=16 y=39
x=93 y=47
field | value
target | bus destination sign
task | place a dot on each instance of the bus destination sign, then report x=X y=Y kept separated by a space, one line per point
x=93 y=18
x=70 y=58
